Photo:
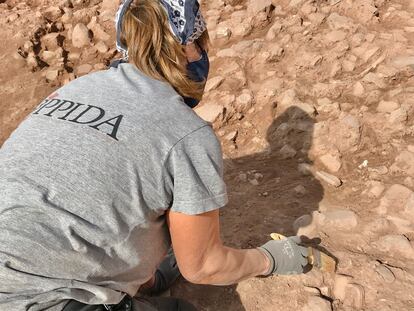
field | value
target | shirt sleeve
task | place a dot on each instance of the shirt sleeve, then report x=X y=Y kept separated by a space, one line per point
x=194 y=173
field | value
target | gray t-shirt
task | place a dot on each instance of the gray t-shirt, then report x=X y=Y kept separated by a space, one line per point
x=85 y=182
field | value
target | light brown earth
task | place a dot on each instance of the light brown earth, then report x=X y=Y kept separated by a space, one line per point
x=328 y=83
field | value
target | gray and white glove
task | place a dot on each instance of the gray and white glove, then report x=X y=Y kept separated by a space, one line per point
x=286 y=256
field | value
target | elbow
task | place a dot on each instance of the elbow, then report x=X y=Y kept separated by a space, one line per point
x=202 y=276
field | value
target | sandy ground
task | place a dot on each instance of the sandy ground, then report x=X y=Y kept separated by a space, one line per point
x=313 y=104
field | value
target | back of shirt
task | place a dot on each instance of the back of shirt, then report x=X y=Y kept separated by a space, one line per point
x=85 y=182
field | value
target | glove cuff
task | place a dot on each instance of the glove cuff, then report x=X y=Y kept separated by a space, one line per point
x=271 y=259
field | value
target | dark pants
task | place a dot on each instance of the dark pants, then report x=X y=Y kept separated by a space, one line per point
x=136 y=304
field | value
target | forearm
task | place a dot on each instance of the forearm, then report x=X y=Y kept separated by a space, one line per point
x=225 y=266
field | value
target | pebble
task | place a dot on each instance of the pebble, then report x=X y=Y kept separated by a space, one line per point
x=101 y=47
x=305 y=169
x=329 y=178
x=80 y=36
x=335 y=36
x=404 y=162
x=377 y=188
x=210 y=112
x=52 y=75
x=395 y=199
x=84 y=69
x=300 y=190
x=213 y=83
x=331 y=162
x=287 y=152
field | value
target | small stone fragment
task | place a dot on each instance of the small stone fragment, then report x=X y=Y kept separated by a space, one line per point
x=213 y=83
x=210 y=112
x=287 y=152
x=80 y=36
x=52 y=75
x=331 y=162
x=83 y=69
x=329 y=179
x=395 y=245
x=300 y=190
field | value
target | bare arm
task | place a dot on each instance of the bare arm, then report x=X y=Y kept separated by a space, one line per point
x=201 y=255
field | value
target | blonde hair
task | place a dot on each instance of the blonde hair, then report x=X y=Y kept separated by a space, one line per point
x=154 y=49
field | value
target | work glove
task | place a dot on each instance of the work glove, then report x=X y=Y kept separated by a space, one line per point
x=286 y=256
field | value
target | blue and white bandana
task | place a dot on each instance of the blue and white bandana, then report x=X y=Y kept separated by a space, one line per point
x=186 y=21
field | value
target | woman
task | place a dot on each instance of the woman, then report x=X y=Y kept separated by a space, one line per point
x=109 y=169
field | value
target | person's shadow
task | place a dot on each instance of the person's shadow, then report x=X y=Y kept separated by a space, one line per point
x=267 y=193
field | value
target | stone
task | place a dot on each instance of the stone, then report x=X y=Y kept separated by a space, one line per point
x=256 y=6
x=48 y=55
x=339 y=288
x=52 y=75
x=244 y=101
x=403 y=61
x=98 y=32
x=213 y=83
x=331 y=162
x=358 y=89
x=398 y=116
x=305 y=169
x=387 y=106
x=394 y=199
x=376 y=189
x=316 y=303
x=328 y=178
x=395 y=245
x=355 y=296
x=347 y=132
x=404 y=163
x=339 y=219
x=385 y=274
x=210 y=112
x=336 y=21
x=50 y=41
x=231 y=136
x=84 y=69
x=273 y=31
x=223 y=31
x=335 y=36
x=101 y=47
x=80 y=36
x=287 y=152
x=300 y=190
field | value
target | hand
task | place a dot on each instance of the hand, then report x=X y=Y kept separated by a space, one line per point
x=286 y=256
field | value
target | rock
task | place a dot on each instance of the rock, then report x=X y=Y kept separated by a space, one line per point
x=339 y=219
x=347 y=132
x=409 y=206
x=287 y=152
x=328 y=178
x=98 y=32
x=210 y=112
x=387 y=106
x=398 y=116
x=80 y=36
x=273 y=31
x=339 y=288
x=335 y=36
x=52 y=13
x=385 y=273
x=300 y=190
x=358 y=89
x=316 y=303
x=48 y=55
x=51 y=41
x=101 y=47
x=244 y=101
x=395 y=246
x=377 y=188
x=403 y=61
x=255 y=6
x=404 y=163
x=394 y=199
x=355 y=296
x=83 y=69
x=331 y=162
x=305 y=169
x=213 y=83
x=231 y=136
x=336 y=21
x=222 y=31
x=52 y=75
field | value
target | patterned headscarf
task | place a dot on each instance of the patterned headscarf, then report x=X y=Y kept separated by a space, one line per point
x=186 y=21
